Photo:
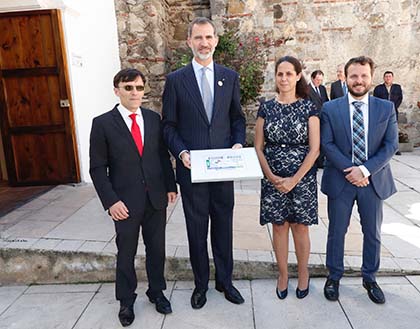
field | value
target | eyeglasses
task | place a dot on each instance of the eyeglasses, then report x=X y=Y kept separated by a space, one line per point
x=130 y=88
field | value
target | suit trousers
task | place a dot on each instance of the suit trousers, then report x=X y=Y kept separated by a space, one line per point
x=201 y=201
x=339 y=212
x=152 y=222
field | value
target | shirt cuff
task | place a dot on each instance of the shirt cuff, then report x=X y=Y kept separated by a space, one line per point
x=180 y=153
x=364 y=170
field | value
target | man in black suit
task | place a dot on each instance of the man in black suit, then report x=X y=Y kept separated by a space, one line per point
x=318 y=96
x=339 y=87
x=202 y=110
x=133 y=176
x=317 y=91
x=390 y=91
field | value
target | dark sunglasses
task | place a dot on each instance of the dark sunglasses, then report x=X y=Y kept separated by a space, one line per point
x=130 y=88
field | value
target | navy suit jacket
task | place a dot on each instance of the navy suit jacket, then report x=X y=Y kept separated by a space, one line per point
x=315 y=98
x=336 y=141
x=336 y=89
x=185 y=123
x=119 y=172
x=395 y=97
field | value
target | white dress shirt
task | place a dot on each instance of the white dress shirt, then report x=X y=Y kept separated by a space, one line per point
x=365 y=110
x=125 y=113
x=209 y=75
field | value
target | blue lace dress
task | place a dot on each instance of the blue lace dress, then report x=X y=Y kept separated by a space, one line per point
x=286 y=145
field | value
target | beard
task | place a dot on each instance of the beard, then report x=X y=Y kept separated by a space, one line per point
x=353 y=92
x=203 y=57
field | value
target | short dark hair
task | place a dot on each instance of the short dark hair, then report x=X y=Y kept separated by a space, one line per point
x=362 y=60
x=388 y=72
x=127 y=75
x=200 y=21
x=302 y=89
x=315 y=73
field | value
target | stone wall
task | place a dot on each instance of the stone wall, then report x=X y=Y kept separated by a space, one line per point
x=322 y=33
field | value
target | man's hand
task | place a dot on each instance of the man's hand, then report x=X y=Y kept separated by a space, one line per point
x=363 y=183
x=118 y=211
x=186 y=160
x=171 y=197
x=237 y=146
x=355 y=176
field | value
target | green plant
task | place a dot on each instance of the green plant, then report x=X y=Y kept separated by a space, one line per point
x=245 y=54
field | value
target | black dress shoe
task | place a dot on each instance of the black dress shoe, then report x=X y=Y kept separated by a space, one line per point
x=398 y=153
x=126 y=315
x=162 y=304
x=232 y=294
x=302 y=293
x=375 y=292
x=198 y=298
x=331 y=289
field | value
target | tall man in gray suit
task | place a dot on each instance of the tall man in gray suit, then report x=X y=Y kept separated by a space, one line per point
x=202 y=110
x=359 y=136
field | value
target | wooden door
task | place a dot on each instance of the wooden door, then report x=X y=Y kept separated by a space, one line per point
x=35 y=103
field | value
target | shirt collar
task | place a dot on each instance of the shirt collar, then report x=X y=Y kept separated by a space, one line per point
x=197 y=67
x=125 y=113
x=364 y=100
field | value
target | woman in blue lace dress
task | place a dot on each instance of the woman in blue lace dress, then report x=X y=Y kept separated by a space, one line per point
x=287 y=141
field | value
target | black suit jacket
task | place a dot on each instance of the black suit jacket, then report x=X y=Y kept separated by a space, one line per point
x=185 y=123
x=119 y=172
x=336 y=89
x=396 y=94
x=315 y=98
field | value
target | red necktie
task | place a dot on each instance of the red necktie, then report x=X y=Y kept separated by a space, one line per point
x=135 y=131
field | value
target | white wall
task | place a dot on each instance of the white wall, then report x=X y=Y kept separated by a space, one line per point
x=90 y=29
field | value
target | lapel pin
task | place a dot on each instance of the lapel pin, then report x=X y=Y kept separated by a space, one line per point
x=220 y=83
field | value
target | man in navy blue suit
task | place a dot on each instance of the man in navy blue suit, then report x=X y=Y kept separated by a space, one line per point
x=202 y=110
x=359 y=136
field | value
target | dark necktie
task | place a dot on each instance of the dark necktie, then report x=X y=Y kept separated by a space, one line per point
x=318 y=92
x=135 y=132
x=359 y=145
x=206 y=94
x=344 y=88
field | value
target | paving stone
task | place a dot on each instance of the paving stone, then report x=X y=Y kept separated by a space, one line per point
x=218 y=312
x=62 y=288
x=399 y=312
x=90 y=222
x=240 y=254
x=46 y=244
x=69 y=245
x=31 y=228
x=92 y=246
x=407 y=264
x=20 y=243
x=9 y=294
x=260 y=256
x=406 y=245
x=59 y=311
x=310 y=312
x=14 y=216
x=176 y=234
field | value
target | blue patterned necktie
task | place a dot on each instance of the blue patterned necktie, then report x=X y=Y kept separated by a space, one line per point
x=206 y=94
x=359 y=145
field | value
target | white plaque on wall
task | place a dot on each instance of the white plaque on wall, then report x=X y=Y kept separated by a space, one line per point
x=217 y=165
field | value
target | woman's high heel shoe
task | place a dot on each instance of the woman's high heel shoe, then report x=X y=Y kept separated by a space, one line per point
x=302 y=293
x=282 y=294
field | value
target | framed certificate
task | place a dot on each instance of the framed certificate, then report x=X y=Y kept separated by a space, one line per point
x=217 y=165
